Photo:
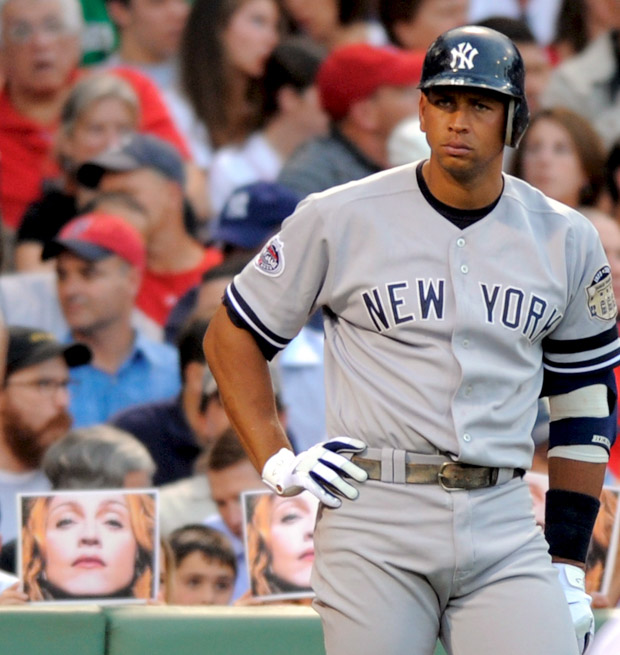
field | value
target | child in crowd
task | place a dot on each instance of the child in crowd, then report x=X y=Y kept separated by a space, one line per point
x=204 y=567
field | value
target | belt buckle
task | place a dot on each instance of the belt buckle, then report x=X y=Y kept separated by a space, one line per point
x=442 y=478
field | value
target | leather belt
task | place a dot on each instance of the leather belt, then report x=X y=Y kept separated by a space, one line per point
x=451 y=476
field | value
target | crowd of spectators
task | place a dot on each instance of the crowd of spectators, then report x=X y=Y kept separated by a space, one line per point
x=147 y=152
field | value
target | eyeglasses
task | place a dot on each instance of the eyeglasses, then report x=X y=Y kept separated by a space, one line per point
x=22 y=32
x=45 y=386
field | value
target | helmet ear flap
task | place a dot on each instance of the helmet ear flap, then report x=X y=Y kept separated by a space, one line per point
x=517 y=119
x=510 y=115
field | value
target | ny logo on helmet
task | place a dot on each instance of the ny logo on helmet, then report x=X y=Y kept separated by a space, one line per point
x=464 y=54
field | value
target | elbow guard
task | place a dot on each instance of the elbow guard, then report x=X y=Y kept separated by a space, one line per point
x=583 y=422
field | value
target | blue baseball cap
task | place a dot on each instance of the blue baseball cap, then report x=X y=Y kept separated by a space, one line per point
x=253 y=213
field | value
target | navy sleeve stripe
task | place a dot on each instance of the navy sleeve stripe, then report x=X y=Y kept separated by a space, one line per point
x=244 y=310
x=610 y=360
x=268 y=351
x=580 y=345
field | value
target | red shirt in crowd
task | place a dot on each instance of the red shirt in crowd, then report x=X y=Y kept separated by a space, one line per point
x=160 y=292
x=26 y=146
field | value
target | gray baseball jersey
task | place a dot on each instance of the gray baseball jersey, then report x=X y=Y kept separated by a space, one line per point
x=432 y=331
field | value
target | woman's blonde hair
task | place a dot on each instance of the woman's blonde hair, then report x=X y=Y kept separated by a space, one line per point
x=91 y=89
x=141 y=509
x=259 y=543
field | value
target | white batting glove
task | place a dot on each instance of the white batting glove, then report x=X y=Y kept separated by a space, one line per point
x=319 y=470
x=572 y=579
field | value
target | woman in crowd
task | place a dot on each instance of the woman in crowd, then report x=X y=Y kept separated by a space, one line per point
x=563 y=156
x=234 y=39
x=97 y=545
x=99 y=111
x=280 y=543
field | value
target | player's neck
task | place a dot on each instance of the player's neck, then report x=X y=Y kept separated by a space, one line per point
x=464 y=189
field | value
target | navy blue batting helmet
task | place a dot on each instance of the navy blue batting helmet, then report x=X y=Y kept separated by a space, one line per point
x=482 y=58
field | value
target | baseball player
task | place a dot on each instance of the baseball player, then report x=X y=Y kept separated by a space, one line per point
x=453 y=297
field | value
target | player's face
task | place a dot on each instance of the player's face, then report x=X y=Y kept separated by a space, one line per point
x=90 y=548
x=292 y=545
x=201 y=580
x=551 y=162
x=251 y=35
x=464 y=129
x=227 y=486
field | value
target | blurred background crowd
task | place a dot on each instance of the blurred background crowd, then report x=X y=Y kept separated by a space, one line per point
x=148 y=150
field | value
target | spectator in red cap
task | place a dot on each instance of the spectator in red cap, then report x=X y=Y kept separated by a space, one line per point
x=100 y=259
x=366 y=91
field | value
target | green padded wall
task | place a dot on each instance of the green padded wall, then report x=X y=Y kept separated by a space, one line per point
x=59 y=630
x=279 y=630
x=214 y=631
x=160 y=630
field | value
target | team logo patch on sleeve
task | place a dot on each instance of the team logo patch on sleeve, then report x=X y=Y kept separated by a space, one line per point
x=601 y=301
x=270 y=261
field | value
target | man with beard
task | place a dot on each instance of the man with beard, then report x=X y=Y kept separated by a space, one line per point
x=34 y=401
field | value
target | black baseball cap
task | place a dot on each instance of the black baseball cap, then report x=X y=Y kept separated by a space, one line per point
x=28 y=346
x=134 y=152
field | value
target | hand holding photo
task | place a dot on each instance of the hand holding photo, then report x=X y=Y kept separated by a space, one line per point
x=88 y=545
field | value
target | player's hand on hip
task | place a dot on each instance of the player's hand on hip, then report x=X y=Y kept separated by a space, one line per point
x=572 y=579
x=321 y=470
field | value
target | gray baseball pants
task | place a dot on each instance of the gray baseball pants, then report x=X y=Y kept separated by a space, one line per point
x=405 y=564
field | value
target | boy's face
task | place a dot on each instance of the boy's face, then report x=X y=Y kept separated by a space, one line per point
x=199 y=580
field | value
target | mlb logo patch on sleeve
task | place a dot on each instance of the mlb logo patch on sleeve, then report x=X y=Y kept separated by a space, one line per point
x=270 y=261
x=601 y=300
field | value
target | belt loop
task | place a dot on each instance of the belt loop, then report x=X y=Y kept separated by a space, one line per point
x=504 y=475
x=387 y=465
x=400 y=475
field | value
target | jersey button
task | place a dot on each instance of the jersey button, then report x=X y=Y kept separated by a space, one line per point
x=467 y=437
x=460 y=242
x=465 y=343
x=464 y=268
